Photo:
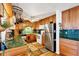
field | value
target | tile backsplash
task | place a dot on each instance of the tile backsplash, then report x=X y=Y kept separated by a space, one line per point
x=70 y=34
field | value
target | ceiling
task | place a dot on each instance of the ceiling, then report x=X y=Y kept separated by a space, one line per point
x=36 y=11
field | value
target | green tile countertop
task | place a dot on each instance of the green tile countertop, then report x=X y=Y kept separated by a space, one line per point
x=12 y=44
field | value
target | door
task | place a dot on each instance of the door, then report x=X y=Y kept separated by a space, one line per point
x=49 y=44
x=65 y=20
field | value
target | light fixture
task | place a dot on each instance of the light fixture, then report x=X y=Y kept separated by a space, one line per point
x=18 y=12
x=27 y=30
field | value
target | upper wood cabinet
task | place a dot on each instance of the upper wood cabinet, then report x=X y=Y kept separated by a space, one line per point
x=77 y=18
x=47 y=20
x=9 y=12
x=65 y=20
x=54 y=18
x=73 y=14
x=70 y=18
x=8 y=8
x=1 y=9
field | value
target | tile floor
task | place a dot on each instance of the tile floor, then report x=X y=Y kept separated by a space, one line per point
x=30 y=49
x=36 y=49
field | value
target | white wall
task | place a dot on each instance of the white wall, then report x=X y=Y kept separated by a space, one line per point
x=3 y=36
x=3 y=33
x=58 y=18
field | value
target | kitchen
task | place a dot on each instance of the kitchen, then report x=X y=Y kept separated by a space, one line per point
x=39 y=29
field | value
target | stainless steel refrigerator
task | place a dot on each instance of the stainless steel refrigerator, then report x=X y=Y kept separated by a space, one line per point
x=50 y=36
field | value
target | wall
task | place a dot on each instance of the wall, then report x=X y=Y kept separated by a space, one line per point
x=58 y=18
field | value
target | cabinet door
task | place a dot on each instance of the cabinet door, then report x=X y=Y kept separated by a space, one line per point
x=73 y=15
x=1 y=9
x=68 y=47
x=78 y=48
x=77 y=18
x=65 y=20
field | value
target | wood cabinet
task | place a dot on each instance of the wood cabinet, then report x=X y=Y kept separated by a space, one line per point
x=9 y=12
x=77 y=18
x=68 y=47
x=16 y=31
x=65 y=20
x=47 y=20
x=1 y=9
x=21 y=51
x=8 y=8
x=73 y=14
x=70 y=18
x=78 y=48
x=43 y=39
x=20 y=26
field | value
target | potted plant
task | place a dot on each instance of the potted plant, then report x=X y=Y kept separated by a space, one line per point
x=18 y=38
x=1 y=28
x=6 y=25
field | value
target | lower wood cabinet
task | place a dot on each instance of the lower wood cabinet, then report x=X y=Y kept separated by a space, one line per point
x=69 y=47
x=18 y=51
x=78 y=48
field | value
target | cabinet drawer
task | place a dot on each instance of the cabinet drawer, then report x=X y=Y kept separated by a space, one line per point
x=69 y=45
x=78 y=48
x=68 y=51
x=67 y=41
